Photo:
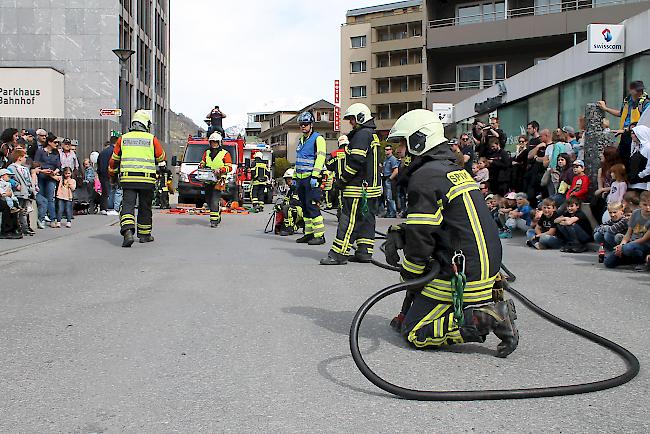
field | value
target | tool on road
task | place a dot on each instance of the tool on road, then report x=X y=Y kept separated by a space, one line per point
x=630 y=359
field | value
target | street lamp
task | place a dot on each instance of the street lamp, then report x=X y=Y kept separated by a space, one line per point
x=124 y=54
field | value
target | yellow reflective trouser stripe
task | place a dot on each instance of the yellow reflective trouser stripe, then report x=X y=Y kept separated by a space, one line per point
x=309 y=226
x=475 y=223
x=144 y=229
x=441 y=335
x=318 y=226
x=425 y=219
x=412 y=267
x=127 y=220
x=215 y=215
x=342 y=247
x=367 y=243
x=454 y=192
x=133 y=178
x=371 y=192
x=476 y=291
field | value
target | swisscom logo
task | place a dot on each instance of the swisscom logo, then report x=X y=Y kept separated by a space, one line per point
x=607 y=34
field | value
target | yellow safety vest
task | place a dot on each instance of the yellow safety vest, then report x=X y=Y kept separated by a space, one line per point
x=217 y=163
x=636 y=111
x=138 y=161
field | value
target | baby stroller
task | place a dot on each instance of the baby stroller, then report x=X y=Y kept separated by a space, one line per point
x=85 y=200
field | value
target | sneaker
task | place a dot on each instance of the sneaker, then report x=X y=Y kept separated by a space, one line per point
x=112 y=212
x=530 y=243
x=47 y=219
x=40 y=224
x=579 y=248
x=103 y=212
x=505 y=234
x=539 y=246
x=68 y=225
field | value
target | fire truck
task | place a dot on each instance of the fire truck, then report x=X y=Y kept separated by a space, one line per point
x=192 y=191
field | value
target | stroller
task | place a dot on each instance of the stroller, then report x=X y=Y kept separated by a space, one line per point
x=85 y=199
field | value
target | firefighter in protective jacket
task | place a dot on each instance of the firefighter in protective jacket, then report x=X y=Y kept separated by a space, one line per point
x=218 y=159
x=447 y=222
x=361 y=185
x=135 y=157
x=261 y=177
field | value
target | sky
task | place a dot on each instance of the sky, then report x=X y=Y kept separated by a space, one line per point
x=254 y=55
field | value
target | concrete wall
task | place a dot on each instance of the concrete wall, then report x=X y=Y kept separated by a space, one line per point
x=569 y=64
x=349 y=54
x=31 y=92
x=74 y=36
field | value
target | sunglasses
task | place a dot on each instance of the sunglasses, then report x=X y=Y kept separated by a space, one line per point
x=305 y=125
x=464 y=139
x=522 y=141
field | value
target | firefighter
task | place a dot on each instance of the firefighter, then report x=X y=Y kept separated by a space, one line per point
x=134 y=158
x=291 y=209
x=219 y=160
x=164 y=186
x=335 y=163
x=361 y=186
x=310 y=158
x=328 y=189
x=448 y=222
x=260 y=180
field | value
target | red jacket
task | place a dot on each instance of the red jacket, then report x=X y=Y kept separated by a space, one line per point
x=579 y=187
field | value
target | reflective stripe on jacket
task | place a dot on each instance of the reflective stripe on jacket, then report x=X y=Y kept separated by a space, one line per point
x=137 y=162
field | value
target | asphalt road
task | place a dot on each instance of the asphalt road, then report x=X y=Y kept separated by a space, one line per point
x=232 y=330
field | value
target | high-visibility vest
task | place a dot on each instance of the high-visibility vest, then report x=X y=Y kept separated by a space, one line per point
x=635 y=115
x=306 y=154
x=138 y=161
x=217 y=163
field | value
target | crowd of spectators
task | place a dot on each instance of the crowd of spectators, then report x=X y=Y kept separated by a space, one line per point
x=41 y=176
x=542 y=192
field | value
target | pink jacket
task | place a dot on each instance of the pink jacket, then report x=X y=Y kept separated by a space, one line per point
x=65 y=191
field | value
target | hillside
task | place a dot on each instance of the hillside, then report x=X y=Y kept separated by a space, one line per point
x=180 y=126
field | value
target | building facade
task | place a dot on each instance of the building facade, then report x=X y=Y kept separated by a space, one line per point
x=282 y=131
x=382 y=60
x=473 y=45
x=77 y=39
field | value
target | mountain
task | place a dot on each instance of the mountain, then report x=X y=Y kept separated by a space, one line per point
x=180 y=127
x=236 y=130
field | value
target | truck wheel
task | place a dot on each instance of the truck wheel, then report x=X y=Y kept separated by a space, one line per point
x=199 y=203
x=183 y=199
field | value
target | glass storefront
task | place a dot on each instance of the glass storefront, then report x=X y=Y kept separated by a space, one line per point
x=614 y=89
x=543 y=107
x=575 y=95
x=513 y=120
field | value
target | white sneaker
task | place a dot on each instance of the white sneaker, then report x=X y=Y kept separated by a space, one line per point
x=40 y=224
x=103 y=212
x=113 y=212
x=47 y=219
x=68 y=225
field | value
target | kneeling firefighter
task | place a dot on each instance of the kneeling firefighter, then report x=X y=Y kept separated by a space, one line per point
x=448 y=222
x=290 y=210
x=361 y=185
x=219 y=160
x=260 y=180
x=134 y=158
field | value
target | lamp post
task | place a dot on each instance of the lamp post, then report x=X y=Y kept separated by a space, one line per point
x=124 y=54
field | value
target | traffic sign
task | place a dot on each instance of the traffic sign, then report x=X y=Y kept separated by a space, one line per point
x=110 y=112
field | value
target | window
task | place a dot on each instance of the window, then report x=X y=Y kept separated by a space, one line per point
x=480 y=76
x=539 y=60
x=359 y=66
x=383 y=86
x=358 y=91
x=575 y=95
x=543 y=7
x=358 y=41
x=481 y=11
x=543 y=108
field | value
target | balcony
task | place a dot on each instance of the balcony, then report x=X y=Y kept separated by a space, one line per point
x=397 y=97
x=559 y=18
x=397 y=71
x=397 y=44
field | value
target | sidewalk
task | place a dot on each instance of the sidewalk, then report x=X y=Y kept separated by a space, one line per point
x=81 y=223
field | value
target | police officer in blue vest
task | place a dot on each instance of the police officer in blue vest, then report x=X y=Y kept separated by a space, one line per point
x=310 y=159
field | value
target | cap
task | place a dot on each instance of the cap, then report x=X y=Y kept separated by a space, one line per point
x=66 y=140
x=579 y=163
x=521 y=196
x=31 y=132
x=4 y=172
x=489 y=196
x=453 y=141
x=512 y=195
x=569 y=130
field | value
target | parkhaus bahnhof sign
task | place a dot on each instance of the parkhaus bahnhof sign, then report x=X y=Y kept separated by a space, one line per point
x=606 y=38
x=31 y=93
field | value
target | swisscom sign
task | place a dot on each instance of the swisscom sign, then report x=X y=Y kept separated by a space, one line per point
x=606 y=38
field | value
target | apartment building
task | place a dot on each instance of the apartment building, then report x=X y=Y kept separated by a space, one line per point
x=472 y=45
x=282 y=132
x=76 y=40
x=257 y=121
x=382 y=60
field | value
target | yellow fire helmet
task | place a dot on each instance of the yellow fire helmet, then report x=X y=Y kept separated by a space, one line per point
x=422 y=130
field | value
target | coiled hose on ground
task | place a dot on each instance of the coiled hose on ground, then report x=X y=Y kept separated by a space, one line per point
x=631 y=361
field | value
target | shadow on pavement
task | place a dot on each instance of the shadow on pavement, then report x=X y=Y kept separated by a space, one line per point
x=113 y=239
x=304 y=253
x=194 y=221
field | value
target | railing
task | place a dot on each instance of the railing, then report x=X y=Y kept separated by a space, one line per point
x=551 y=8
x=462 y=85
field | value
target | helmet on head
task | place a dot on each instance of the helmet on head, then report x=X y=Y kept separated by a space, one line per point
x=162 y=164
x=215 y=137
x=142 y=117
x=288 y=174
x=306 y=118
x=360 y=112
x=343 y=140
x=422 y=130
x=258 y=155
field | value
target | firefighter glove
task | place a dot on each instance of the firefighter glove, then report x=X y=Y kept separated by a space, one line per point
x=394 y=243
x=314 y=182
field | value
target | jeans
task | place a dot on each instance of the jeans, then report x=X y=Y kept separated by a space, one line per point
x=520 y=224
x=632 y=253
x=11 y=202
x=390 y=202
x=118 y=193
x=574 y=234
x=550 y=241
x=530 y=234
x=608 y=239
x=106 y=202
x=64 y=205
x=45 y=198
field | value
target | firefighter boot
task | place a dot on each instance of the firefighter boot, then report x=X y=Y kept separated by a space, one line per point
x=128 y=238
x=146 y=239
x=316 y=241
x=305 y=239
x=361 y=258
x=498 y=318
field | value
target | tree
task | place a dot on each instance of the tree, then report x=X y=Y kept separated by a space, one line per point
x=281 y=166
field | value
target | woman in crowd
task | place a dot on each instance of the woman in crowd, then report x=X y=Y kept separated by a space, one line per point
x=519 y=164
x=50 y=167
x=9 y=140
x=564 y=180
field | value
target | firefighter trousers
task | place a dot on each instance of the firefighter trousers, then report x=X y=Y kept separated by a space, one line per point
x=213 y=199
x=257 y=195
x=355 y=227
x=430 y=323
x=292 y=218
x=144 y=198
x=309 y=196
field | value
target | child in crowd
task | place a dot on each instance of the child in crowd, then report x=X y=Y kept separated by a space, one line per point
x=580 y=184
x=574 y=227
x=630 y=203
x=565 y=179
x=543 y=234
x=507 y=205
x=618 y=188
x=89 y=172
x=520 y=218
x=481 y=173
x=492 y=203
x=7 y=192
x=64 y=192
x=635 y=246
x=611 y=232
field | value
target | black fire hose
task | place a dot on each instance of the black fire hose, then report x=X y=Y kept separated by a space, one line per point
x=422 y=395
